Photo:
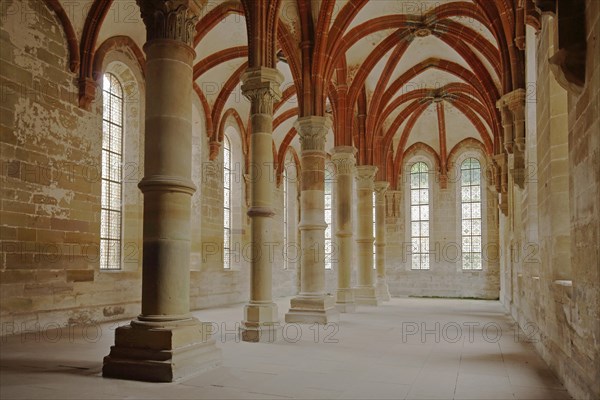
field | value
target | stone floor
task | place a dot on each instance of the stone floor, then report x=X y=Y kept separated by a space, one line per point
x=405 y=349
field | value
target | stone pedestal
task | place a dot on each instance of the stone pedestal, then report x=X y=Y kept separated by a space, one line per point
x=165 y=343
x=344 y=161
x=261 y=87
x=312 y=304
x=381 y=188
x=365 y=292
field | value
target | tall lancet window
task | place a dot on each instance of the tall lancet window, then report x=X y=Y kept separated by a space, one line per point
x=470 y=182
x=285 y=218
x=419 y=215
x=328 y=221
x=112 y=174
x=226 y=203
x=374 y=232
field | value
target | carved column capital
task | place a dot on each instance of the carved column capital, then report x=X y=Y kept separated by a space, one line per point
x=344 y=159
x=171 y=19
x=262 y=87
x=515 y=99
x=380 y=188
x=313 y=131
x=507 y=123
x=502 y=174
x=365 y=175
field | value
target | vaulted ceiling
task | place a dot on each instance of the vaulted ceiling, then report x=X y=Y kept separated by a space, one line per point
x=395 y=75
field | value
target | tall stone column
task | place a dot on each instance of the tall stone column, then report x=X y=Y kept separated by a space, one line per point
x=365 y=292
x=343 y=158
x=261 y=87
x=165 y=342
x=312 y=304
x=381 y=188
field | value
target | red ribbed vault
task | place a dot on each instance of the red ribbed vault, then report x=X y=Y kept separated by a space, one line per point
x=381 y=69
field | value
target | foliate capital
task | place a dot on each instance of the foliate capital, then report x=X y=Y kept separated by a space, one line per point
x=312 y=131
x=171 y=19
x=344 y=160
x=262 y=87
x=380 y=188
x=365 y=174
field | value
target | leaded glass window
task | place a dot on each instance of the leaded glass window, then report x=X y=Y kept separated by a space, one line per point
x=112 y=174
x=328 y=219
x=374 y=233
x=226 y=203
x=471 y=227
x=285 y=218
x=419 y=215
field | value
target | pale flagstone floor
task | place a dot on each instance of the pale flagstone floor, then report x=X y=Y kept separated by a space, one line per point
x=395 y=351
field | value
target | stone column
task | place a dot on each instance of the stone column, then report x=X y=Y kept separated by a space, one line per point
x=165 y=342
x=365 y=292
x=381 y=188
x=344 y=160
x=261 y=87
x=312 y=305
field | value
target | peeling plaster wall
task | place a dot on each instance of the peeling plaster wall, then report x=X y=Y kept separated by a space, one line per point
x=50 y=210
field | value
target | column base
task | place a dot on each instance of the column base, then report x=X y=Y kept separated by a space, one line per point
x=154 y=353
x=366 y=295
x=383 y=292
x=345 y=301
x=308 y=310
x=261 y=323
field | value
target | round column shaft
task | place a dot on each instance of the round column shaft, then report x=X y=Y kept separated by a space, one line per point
x=365 y=292
x=381 y=188
x=344 y=161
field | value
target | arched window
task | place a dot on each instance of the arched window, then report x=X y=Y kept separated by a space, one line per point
x=328 y=221
x=419 y=215
x=470 y=182
x=226 y=203
x=290 y=251
x=285 y=218
x=374 y=233
x=112 y=173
